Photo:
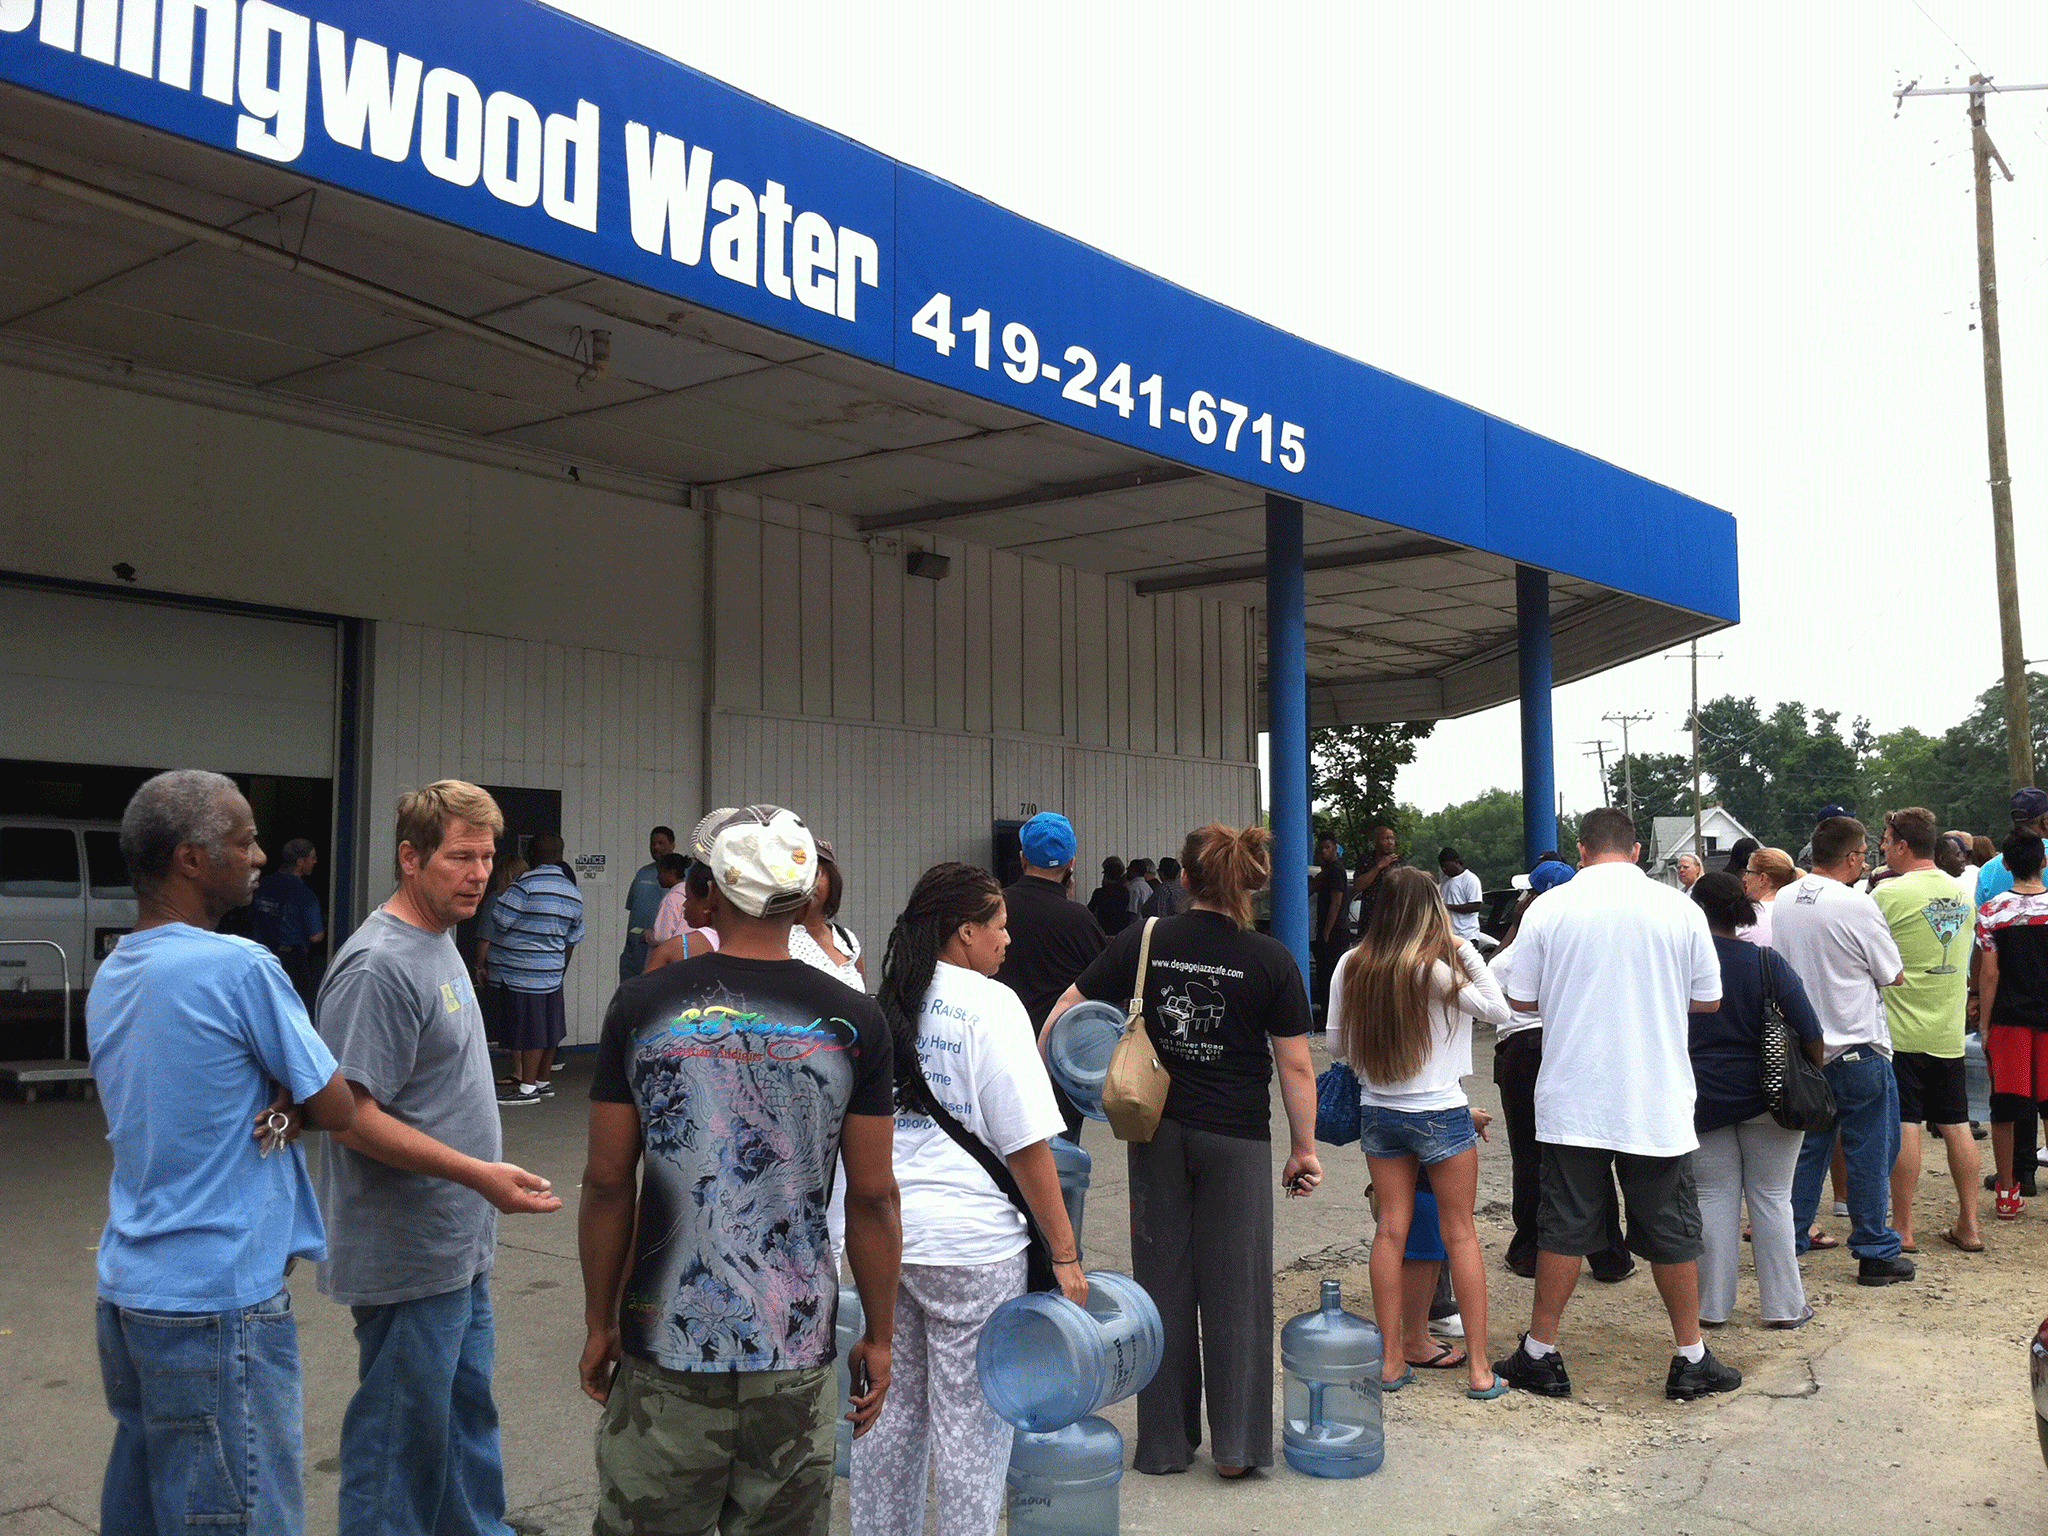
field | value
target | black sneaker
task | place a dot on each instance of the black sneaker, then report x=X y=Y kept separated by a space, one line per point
x=1699 y=1378
x=1884 y=1271
x=546 y=1089
x=1546 y=1377
x=507 y=1097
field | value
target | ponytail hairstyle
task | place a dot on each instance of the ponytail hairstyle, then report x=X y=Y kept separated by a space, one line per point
x=1388 y=977
x=1224 y=865
x=945 y=897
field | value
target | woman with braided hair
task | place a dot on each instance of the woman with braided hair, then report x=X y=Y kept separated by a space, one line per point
x=1225 y=1005
x=964 y=1053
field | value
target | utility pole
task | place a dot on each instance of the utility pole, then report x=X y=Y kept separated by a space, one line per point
x=2019 y=740
x=1699 y=835
x=1628 y=779
x=1600 y=749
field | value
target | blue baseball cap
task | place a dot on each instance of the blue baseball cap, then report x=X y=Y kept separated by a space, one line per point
x=1549 y=873
x=1047 y=840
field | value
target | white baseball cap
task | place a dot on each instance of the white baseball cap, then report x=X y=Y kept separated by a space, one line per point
x=762 y=858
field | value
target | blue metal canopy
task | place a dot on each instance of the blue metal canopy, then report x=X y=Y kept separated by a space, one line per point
x=513 y=121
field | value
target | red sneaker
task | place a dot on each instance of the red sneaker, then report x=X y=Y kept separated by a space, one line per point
x=2007 y=1202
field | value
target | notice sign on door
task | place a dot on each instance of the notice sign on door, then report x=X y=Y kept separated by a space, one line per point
x=590 y=869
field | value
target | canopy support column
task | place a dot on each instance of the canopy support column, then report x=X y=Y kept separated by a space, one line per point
x=1539 y=758
x=1287 y=724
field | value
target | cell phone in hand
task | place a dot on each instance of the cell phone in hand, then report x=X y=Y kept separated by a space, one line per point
x=860 y=1378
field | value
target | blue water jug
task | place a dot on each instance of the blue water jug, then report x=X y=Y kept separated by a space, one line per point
x=1065 y=1483
x=1045 y=1362
x=1078 y=1051
x=1075 y=1166
x=1330 y=1367
x=851 y=1325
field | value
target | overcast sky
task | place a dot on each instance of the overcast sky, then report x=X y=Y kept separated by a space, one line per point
x=1693 y=241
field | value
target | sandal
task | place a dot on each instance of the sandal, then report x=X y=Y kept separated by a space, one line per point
x=1792 y=1322
x=2006 y=1204
x=1405 y=1379
x=1953 y=1241
x=1446 y=1358
x=1488 y=1394
x=1821 y=1240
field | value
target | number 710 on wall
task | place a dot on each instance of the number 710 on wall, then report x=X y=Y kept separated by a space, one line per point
x=1022 y=363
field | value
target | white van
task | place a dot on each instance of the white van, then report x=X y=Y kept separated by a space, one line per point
x=63 y=881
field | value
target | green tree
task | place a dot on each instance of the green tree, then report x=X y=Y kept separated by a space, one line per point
x=1486 y=830
x=1351 y=778
x=1972 y=759
x=1773 y=772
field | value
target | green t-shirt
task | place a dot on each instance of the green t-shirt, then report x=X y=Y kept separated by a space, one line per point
x=1931 y=922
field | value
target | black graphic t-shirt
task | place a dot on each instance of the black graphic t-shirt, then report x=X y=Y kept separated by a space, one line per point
x=1213 y=993
x=742 y=1072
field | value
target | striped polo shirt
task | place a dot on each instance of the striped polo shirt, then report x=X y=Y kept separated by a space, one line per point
x=536 y=919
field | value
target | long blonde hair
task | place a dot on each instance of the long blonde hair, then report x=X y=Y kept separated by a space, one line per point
x=1389 y=976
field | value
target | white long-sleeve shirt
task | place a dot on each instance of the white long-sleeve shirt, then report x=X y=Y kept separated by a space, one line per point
x=1454 y=1003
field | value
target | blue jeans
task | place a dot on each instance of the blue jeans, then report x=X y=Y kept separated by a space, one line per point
x=208 y=1428
x=419 y=1443
x=1867 y=1103
x=1428 y=1135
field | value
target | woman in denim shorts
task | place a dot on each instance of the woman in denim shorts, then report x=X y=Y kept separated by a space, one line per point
x=1404 y=999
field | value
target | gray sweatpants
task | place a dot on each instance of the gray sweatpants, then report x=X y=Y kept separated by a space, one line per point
x=1755 y=1158
x=1202 y=1246
x=935 y=1410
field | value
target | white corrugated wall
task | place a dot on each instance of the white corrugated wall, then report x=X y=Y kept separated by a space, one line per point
x=616 y=734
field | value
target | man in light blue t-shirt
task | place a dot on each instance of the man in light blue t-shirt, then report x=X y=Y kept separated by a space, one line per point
x=643 y=900
x=199 y=1047
x=2029 y=814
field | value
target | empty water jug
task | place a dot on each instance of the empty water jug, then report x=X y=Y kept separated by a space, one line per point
x=1065 y=1483
x=1075 y=1166
x=851 y=1325
x=1078 y=1050
x=1330 y=1369
x=1045 y=1362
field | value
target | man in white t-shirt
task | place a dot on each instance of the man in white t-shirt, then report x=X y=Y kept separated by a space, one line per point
x=1462 y=894
x=1838 y=941
x=1615 y=962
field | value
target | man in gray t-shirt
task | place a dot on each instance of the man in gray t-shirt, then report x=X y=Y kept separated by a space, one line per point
x=411 y=1192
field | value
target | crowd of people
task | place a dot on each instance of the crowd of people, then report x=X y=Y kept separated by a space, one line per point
x=760 y=1126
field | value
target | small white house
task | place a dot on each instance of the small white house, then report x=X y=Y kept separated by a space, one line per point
x=1672 y=835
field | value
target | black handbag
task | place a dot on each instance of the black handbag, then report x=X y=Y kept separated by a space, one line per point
x=1795 y=1092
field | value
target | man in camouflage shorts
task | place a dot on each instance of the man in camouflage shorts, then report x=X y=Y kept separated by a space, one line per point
x=739 y=1076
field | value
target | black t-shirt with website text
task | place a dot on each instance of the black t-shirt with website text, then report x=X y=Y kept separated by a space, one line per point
x=1214 y=992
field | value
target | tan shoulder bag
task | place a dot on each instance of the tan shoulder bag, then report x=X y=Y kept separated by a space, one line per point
x=1134 y=1088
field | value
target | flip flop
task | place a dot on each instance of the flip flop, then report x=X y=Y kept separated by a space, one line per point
x=1444 y=1359
x=1822 y=1241
x=1909 y=1247
x=1405 y=1379
x=1953 y=1241
x=1488 y=1394
x=1793 y=1322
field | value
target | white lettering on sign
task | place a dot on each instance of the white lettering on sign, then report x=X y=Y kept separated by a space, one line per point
x=762 y=241
x=1206 y=416
x=261 y=56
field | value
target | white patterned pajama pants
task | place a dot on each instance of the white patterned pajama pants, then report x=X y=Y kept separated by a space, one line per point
x=935 y=1411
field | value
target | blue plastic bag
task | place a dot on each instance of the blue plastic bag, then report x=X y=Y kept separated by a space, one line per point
x=1337 y=1104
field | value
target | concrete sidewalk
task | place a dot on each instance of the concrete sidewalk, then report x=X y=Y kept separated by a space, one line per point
x=1905 y=1407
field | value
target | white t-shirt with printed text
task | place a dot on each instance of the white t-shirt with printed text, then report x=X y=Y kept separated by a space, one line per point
x=1615 y=961
x=1838 y=941
x=975 y=1044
